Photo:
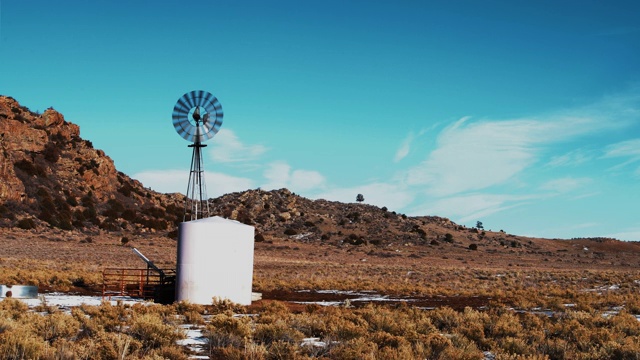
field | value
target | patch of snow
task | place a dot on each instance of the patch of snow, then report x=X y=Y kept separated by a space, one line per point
x=315 y=342
x=300 y=236
x=66 y=302
x=321 y=303
x=192 y=336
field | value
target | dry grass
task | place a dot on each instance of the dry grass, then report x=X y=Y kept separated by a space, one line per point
x=526 y=314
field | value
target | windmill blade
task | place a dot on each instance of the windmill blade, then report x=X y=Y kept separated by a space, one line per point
x=196 y=131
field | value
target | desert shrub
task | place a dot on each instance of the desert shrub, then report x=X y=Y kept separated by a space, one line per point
x=12 y=308
x=51 y=152
x=55 y=326
x=345 y=326
x=259 y=237
x=448 y=238
x=384 y=339
x=290 y=231
x=445 y=318
x=354 y=239
x=124 y=240
x=353 y=216
x=513 y=345
x=109 y=225
x=155 y=212
x=472 y=326
x=30 y=168
x=626 y=324
x=355 y=349
x=71 y=200
x=114 y=345
x=26 y=223
x=473 y=247
x=219 y=306
x=152 y=223
x=64 y=221
x=115 y=209
x=7 y=211
x=507 y=324
x=88 y=200
x=152 y=332
x=129 y=214
x=125 y=189
x=250 y=352
x=282 y=350
x=279 y=330
x=168 y=353
x=20 y=343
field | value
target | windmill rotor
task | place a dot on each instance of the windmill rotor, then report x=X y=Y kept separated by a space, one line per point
x=197 y=116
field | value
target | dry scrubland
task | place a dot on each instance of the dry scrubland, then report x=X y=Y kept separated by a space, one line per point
x=562 y=304
x=473 y=291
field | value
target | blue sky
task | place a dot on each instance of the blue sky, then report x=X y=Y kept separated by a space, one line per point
x=523 y=115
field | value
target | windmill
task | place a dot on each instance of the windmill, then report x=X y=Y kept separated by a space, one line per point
x=197 y=117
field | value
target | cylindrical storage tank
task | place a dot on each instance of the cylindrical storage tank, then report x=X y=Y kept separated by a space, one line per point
x=215 y=259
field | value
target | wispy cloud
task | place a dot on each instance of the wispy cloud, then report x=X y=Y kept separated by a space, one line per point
x=565 y=185
x=404 y=148
x=170 y=181
x=629 y=235
x=572 y=158
x=629 y=149
x=280 y=175
x=471 y=156
x=476 y=159
x=227 y=148
x=472 y=207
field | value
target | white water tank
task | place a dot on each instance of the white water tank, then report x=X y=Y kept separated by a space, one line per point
x=215 y=259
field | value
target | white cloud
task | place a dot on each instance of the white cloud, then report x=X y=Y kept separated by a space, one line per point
x=628 y=148
x=279 y=175
x=564 y=185
x=227 y=148
x=170 y=181
x=475 y=156
x=625 y=149
x=404 y=148
x=471 y=156
x=303 y=180
x=471 y=207
x=628 y=235
x=572 y=158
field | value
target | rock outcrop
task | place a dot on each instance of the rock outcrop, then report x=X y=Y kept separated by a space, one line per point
x=49 y=174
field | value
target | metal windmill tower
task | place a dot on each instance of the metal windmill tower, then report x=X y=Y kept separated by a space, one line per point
x=197 y=117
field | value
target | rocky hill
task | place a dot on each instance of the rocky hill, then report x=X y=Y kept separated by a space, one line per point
x=52 y=178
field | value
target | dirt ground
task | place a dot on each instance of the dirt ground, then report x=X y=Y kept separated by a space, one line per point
x=284 y=265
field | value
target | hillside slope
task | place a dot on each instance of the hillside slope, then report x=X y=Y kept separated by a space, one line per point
x=52 y=179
